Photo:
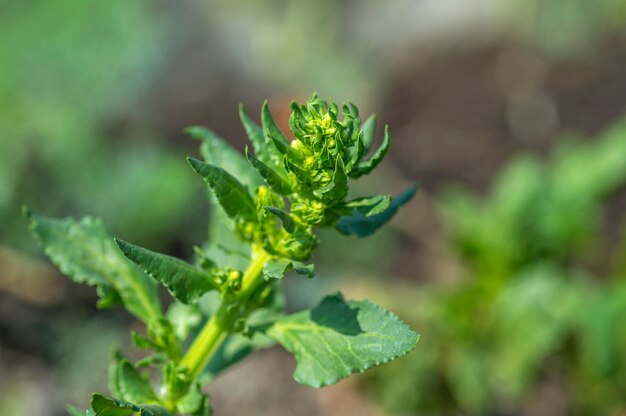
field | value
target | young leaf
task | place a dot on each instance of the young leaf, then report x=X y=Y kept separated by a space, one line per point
x=126 y=383
x=218 y=152
x=231 y=194
x=274 y=180
x=184 y=318
x=185 y=282
x=361 y=225
x=338 y=186
x=85 y=251
x=369 y=129
x=255 y=134
x=108 y=406
x=194 y=403
x=271 y=129
x=276 y=268
x=367 y=166
x=288 y=223
x=338 y=338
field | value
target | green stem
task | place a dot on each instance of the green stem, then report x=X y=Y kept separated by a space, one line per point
x=220 y=325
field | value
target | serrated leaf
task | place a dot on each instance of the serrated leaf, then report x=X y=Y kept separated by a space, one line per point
x=370 y=164
x=338 y=338
x=288 y=223
x=338 y=187
x=231 y=194
x=369 y=130
x=216 y=151
x=85 y=251
x=185 y=282
x=277 y=267
x=126 y=383
x=273 y=178
x=361 y=225
x=369 y=205
x=108 y=406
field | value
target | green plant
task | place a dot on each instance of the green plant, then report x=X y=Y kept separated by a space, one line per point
x=542 y=308
x=233 y=293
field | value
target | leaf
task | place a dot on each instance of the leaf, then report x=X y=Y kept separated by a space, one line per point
x=338 y=338
x=231 y=194
x=271 y=129
x=126 y=383
x=361 y=225
x=370 y=205
x=184 y=318
x=185 y=282
x=195 y=402
x=370 y=164
x=369 y=129
x=277 y=267
x=255 y=134
x=288 y=222
x=108 y=406
x=338 y=187
x=216 y=151
x=85 y=251
x=356 y=154
x=274 y=180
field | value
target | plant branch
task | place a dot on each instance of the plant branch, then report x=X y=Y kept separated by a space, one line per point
x=220 y=325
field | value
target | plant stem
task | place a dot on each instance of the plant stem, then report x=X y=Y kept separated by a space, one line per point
x=220 y=325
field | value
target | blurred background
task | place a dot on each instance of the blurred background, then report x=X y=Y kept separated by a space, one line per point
x=511 y=262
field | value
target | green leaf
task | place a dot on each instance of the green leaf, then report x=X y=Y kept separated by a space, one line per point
x=370 y=205
x=356 y=154
x=369 y=129
x=184 y=318
x=277 y=267
x=216 y=151
x=126 y=383
x=231 y=194
x=185 y=282
x=338 y=338
x=288 y=222
x=361 y=225
x=274 y=180
x=85 y=251
x=370 y=164
x=338 y=187
x=271 y=129
x=195 y=402
x=255 y=134
x=108 y=406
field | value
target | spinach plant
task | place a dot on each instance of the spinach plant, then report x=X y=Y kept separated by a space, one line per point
x=266 y=207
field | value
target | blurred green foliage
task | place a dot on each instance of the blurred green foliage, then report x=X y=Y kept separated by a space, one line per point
x=541 y=311
x=70 y=71
x=565 y=27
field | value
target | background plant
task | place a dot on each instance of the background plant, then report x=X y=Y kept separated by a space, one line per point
x=296 y=185
x=541 y=310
